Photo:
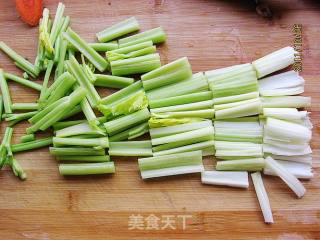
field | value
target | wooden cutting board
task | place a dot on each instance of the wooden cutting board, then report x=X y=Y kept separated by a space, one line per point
x=212 y=34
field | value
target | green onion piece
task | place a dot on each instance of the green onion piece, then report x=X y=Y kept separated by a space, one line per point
x=99 y=62
x=81 y=151
x=118 y=30
x=24 y=106
x=228 y=178
x=57 y=23
x=72 y=141
x=23 y=63
x=251 y=165
x=81 y=158
x=131 y=148
x=156 y=35
x=31 y=145
x=130 y=133
x=135 y=65
x=82 y=128
x=86 y=168
x=23 y=81
x=5 y=93
x=112 y=81
x=27 y=138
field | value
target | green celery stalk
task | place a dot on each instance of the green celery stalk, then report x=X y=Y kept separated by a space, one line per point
x=104 y=47
x=130 y=148
x=119 y=29
x=57 y=23
x=23 y=63
x=130 y=133
x=27 y=138
x=132 y=48
x=82 y=128
x=99 y=62
x=60 y=125
x=16 y=168
x=62 y=56
x=5 y=93
x=23 y=81
x=173 y=72
x=89 y=113
x=15 y=118
x=45 y=82
x=252 y=165
x=194 y=114
x=185 y=107
x=86 y=168
x=57 y=48
x=1 y=107
x=156 y=35
x=81 y=158
x=24 y=106
x=235 y=98
x=72 y=141
x=144 y=51
x=112 y=81
x=80 y=151
x=5 y=146
x=31 y=145
x=165 y=122
x=286 y=102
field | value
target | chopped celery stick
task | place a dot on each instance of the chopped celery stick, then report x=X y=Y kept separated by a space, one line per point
x=237 y=149
x=23 y=81
x=82 y=128
x=206 y=145
x=104 y=47
x=23 y=63
x=284 y=148
x=57 y=23
x=62 y=56
x=89 y=113
x=102 y=142
x=183 y=99
x=1 y=107
x=165 y=122
x=172 y=171
x=5 y=93
x=199 y=114
x=262 y=197
x=112 y=81
x=130 y=133
x=118 y=30
x=72 y=112
x=24 y=106
x=282 y=91
x=286 y=102
x=5 y=146
x=169 y=161
x=45 y=82
x=135 y=65
x=122 y=94
x=20 y=116
x=132 y=48
x=144 y=51
x=86 y=168
x=299 y=170
x=170 y=130
x=31 y=145
x=156 y=35
x=170 y=73
x=252 y=164
x=81 y=158
x=216 y=74
x=122 y=123
x=16 y=168
x=196 y=83
x=81 y=151
x=244 y=85
x=99 y=62
x=235 y=98
x=288 y=114
x=292 y=182
x=27 y=138
x=274 y=61
x=75 y=69
x=45 y=45
x=185 y=107
x=307 y=159
x=228 y=178
x=57 y=49
x=130 y=148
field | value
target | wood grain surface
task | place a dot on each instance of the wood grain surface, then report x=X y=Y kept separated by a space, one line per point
x=212 y=34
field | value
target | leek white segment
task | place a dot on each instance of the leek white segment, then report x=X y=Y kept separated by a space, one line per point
x=292 y=182
x=227 y=178
x=262 y=197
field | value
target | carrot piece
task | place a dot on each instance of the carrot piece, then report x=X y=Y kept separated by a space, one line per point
x=30 y=11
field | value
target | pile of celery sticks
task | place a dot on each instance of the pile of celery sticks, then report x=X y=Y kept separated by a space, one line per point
x=245 y=117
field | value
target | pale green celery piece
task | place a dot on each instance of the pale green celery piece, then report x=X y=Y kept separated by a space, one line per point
x=65 y=24
x=86 y=168
x=194 y=114
x=112 y=81
x=79 y=151
x=57 y=49
x=194 y=135
x=286 y=102
x=1 y=107
x=225 y=178
x=24 y=106
x=145 y=51
x=90 y=142
x=242 y=87
x=22 y=62
x=130 y=148
x=238 y=136
x=196 y=83
x=156 y=35
x=218 y=107
x=169 y=161
x=16 y=168
x=235 y=98
x=289 y=114
x=185 y=107
x=172 y=171
x=27 y=138
x=226 y=72
x=165 y=122
x=122 y=94
x=132 y=48
x=5 y=93
x=5 y=146
x=170 y=73
x=83 y=158
x=75 y=69
x=31 y=145
x=131 y=104
x=251 y=165
x=45 y=82
x=242 y=119
x=77 y=109
x=122 y=123
x=62 y=56
x=99 y=62
x=183 y=99
x=19 y=65
x=23 y=81
x=170 y=130
x=89 y=114
x=119 y=29
x=206 y=145
x=274 y=61
x=25 y=75
x=20 y=116
x=130 y=133
x=239 y=78
x=57 y=23
x=104 y=47
x=135 y=65
x=82 y=128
